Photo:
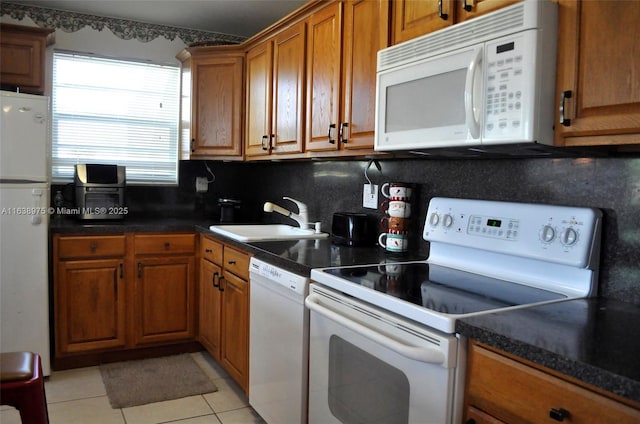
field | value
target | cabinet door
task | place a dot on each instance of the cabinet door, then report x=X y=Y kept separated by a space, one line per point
x=476 y=416
x=366 y=30
x=324 y=58
x=598 y=63
x=209 y=308
x=288 y=90
x=22 y=57
x=217 y=106
x=89 y=305
x=258 y=108
x=165 y=299
x=468 y=9
x=514 y=392
x=235 y=326
x=414 y=18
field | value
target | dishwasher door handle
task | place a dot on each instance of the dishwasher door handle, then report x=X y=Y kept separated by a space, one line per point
x=422 y=354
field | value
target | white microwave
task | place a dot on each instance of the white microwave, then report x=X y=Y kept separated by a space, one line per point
x=484 y=82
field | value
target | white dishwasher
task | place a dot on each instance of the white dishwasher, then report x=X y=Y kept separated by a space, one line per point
x=279 y=344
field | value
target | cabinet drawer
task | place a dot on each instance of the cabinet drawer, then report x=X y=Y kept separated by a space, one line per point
x=514 y=392
x=164 y=243
x=91 y=246
x=211 y=250
x=236 y=262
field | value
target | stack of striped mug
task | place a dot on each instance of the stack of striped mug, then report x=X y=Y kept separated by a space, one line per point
x=395 y=223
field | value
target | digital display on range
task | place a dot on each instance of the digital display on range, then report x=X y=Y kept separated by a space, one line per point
x=494 y=223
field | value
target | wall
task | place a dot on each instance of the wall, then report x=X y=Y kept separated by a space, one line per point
x=611 y=184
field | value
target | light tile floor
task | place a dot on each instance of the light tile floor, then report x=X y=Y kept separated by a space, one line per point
x=79 y=397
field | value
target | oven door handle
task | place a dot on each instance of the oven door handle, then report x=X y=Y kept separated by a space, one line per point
x=431 y=356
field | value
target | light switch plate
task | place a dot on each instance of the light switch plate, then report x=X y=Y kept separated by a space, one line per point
x=202 y=185
x=370 y=196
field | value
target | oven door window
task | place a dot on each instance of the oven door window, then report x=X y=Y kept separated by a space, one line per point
x=363 y=389
x=369 y=366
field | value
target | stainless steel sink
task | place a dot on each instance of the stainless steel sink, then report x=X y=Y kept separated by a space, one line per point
x=265 y=232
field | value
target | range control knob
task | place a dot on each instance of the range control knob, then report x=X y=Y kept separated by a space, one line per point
x=447 y=220
x=547 y=234
x=434 y=219
x=569 y=237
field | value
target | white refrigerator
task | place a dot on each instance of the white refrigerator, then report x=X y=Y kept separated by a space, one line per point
x=24 y=218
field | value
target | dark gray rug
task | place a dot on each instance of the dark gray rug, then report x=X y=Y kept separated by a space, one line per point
x=133 y=383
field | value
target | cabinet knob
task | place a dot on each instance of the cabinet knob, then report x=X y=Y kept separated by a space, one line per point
x=93 y=246
x=331 y=140
x=263 y=142
x=559 y=414
x=466 y=6
x=167 y=245
x=231 y=262
x=208 y=250
x=443 y=16
x=343 y=132
x=470 y=421
x=563 y=97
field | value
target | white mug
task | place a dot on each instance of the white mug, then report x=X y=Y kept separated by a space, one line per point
x=397 y=208
x=393 y=242
x=396 y=191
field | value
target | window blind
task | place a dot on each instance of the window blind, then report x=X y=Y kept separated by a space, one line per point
x=116 y=112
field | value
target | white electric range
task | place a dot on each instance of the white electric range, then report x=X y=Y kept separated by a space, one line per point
x=383 y=343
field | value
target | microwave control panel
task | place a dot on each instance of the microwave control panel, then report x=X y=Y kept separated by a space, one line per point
x=509 y=82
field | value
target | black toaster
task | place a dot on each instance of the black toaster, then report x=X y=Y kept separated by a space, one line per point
x=353 y=229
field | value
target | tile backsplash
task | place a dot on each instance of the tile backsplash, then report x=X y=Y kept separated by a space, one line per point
x=611 y=184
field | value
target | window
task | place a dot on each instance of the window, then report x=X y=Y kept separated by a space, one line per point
x=115 y=111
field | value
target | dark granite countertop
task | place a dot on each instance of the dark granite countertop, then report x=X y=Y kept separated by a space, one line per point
x=299 y=256
x=63 y=225
x=593 y=340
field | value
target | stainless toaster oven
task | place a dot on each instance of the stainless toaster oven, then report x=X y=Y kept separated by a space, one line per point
x=99 y=191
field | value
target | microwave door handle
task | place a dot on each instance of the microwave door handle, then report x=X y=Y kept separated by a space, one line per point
x=431 y=356
x=470 y=96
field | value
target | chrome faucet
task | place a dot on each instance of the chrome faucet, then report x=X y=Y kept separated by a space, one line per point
x=302 y=217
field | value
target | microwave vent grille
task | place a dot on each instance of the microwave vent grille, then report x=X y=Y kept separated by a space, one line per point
x=497 y=24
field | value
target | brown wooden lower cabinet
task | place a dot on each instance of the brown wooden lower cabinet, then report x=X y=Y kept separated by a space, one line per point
x=209 y=301
x=502 y=389
x=234 y=348
x=165 y=299
x=110 y=298
x=224 y=307
x=90 y=305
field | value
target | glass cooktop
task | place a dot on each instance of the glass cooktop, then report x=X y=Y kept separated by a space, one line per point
x=442 y=289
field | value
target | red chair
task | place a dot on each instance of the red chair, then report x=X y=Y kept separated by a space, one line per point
x=22 y=386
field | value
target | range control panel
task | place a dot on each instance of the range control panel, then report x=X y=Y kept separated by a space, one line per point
x=560 y=234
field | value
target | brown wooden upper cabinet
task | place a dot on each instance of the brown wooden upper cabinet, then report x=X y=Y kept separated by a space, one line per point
x=216 y=102
x=275 y=94
x=22 y=57
x=598 y=77
x=413 y=18
x=342 y=45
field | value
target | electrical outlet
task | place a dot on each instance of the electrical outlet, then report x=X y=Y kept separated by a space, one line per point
x=370 y=196
x=202 y=185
